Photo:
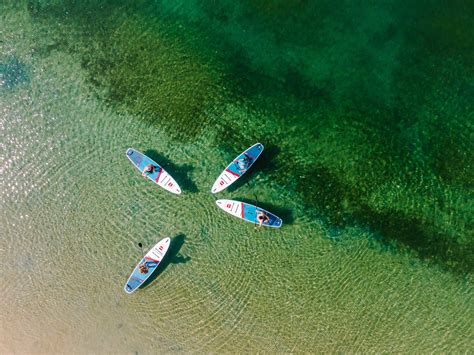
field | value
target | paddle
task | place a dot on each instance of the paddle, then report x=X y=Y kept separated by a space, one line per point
x=141 y=248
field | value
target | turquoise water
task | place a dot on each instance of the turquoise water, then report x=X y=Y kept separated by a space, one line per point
x=366 y=115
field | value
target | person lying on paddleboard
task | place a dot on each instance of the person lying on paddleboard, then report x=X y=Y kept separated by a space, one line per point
x=262 y=218
x=145 y=266
x=243 y=163
x=143 y=269
x=148 y=169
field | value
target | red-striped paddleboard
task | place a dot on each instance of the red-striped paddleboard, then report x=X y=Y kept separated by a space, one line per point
x=159 y=175
x=151 y=260
x=237 y=168
x=249 y=212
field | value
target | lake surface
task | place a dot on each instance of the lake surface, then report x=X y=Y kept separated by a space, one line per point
x=366 y=114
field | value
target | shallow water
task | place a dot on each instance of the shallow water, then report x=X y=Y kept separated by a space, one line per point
x=375 y=252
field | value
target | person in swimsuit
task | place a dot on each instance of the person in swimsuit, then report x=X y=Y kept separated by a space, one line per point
x=243 y=163
x=143 y=268
x=148 y=169
x=261 y=218
x=146 y=266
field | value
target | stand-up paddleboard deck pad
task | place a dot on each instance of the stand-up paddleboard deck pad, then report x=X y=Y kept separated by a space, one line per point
x=152 y=260
x=158 y=176
x=248 y=212
x=232 y=172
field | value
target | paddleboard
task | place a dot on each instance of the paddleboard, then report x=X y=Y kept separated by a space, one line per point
x=248 y=212
x=152 y=259
x=237 y=168
x=158 y=176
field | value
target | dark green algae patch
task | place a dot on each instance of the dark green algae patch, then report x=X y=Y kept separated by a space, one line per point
x=138 y=62
x=370 y=107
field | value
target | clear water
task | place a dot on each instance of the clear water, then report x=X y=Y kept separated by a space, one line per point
x=356 y=266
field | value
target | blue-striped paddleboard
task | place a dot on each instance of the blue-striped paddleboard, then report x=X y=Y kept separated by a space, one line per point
x=151 y=259
x=158 y=176
x=248 y=212
x=237 y=168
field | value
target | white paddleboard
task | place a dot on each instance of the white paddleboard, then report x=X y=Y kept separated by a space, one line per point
x=159 y=175
x=151 y=260
x=237 y=168
x=248 y=212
